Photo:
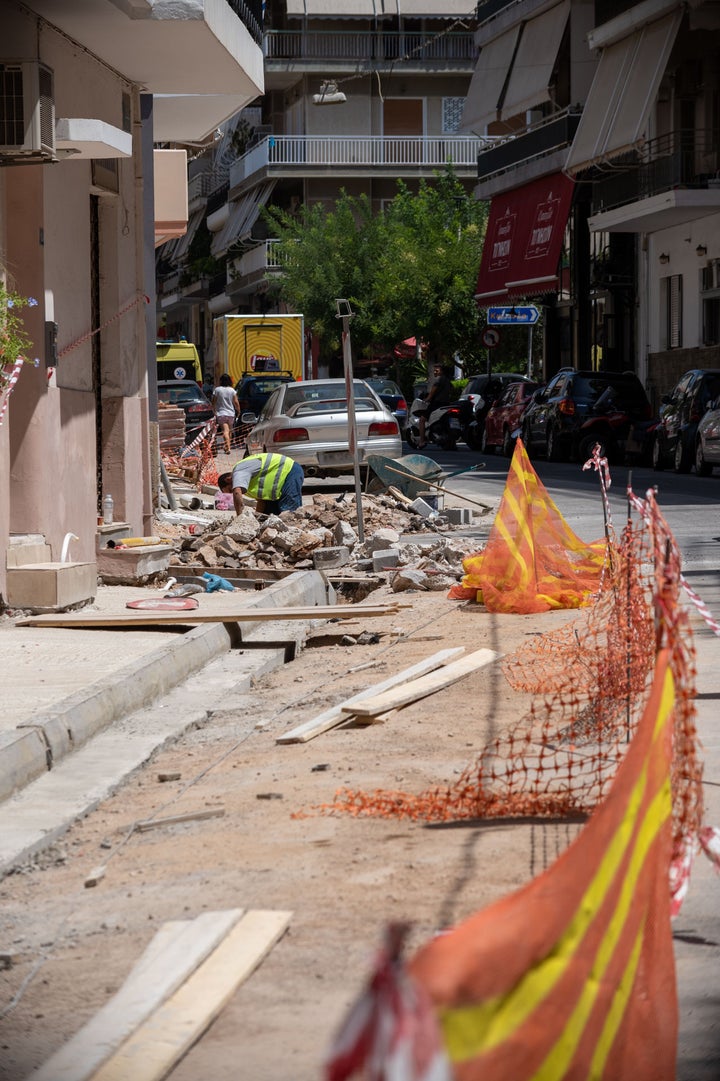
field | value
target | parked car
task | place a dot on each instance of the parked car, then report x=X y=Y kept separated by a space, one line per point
x=309 y=422
x=390 y=395
x=707 y=441
x=479 y=394
x=253 y=390
x=505 y=416
x=188 y=395
x=680 y=413
x=556 y=420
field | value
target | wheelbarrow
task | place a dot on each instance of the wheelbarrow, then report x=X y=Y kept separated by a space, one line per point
x=411 y=474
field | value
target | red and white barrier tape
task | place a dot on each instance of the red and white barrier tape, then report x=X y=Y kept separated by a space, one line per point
x=86 y=337
x=205 y=433
x=9 y=387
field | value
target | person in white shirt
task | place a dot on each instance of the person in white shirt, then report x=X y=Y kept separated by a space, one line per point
x=226 y=406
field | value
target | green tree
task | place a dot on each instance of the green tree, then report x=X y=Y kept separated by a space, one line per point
x=407 y=272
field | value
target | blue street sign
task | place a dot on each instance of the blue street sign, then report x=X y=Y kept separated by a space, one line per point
x=504 y=316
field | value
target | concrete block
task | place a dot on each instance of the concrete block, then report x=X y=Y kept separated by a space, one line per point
x=113 y=532
x=21 y=553
x=129 y=566
x=388 y=557
x=435 y=500
x=422 y=508
x=22 y=758
x=458 y=515
x=325 y=558
x=51 y=586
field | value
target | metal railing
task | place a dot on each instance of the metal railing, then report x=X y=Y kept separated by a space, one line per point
x=371 y=151
x=250 y=17
x=395 y=47
x=678 y=159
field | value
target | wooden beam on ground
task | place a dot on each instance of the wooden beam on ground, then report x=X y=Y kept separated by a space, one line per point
x=372 y=705
x=337 y=714
x=226 y=613
x=174 y=820
x=158 y=974
x=158 y=1044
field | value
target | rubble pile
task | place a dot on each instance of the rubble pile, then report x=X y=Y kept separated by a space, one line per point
x=324 y=534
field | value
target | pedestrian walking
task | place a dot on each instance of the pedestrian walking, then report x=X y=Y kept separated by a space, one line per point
x=226 y=408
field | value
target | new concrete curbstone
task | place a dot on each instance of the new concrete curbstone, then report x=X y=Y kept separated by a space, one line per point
x=38 y=744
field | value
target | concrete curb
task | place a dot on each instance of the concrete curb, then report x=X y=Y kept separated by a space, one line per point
x=37 y=745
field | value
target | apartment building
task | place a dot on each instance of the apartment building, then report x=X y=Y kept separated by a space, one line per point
x=358 y=93
x=87 y=90
x=603 y=182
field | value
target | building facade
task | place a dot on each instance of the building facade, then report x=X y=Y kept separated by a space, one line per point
x=358 y=93
x=88 y=90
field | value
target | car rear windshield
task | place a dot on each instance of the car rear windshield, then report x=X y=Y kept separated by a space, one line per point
x=263 y=386
x=175 y=395
x=626 y=391
x=305 y=399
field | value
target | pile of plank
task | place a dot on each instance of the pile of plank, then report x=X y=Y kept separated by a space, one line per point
x=171 y=422
x=186 y=976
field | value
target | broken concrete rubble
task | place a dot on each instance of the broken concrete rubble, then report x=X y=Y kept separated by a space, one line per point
x=326 y=530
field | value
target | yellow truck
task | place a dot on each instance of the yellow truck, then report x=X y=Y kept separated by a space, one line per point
x=259 y=343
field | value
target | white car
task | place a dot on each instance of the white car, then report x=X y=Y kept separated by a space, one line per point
x=308 y=421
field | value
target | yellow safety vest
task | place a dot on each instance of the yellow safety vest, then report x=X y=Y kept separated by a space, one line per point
x=268 y=482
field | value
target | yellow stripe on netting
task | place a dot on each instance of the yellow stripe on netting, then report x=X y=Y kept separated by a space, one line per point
x=470 y=1030
x=617 y=1009
x=560 y=1056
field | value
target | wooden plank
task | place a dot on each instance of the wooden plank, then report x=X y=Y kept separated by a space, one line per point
x=174 y=820
x=371 y=706
x=337 y=714
x=213 y=614
x=158 y=1045
x=163 y=972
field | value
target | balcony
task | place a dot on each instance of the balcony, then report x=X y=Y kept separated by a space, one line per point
x=354 y=155
x=539 y=150
x=245 y=274
x=672 y=179
x=404 y=51
x=203 y=61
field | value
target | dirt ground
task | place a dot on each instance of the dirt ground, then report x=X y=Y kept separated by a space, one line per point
x=343 y=878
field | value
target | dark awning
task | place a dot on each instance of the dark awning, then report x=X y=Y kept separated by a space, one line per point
x=524 y=240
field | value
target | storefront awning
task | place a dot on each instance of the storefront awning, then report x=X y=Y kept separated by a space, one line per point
x=524 y=239
x=622 y=94
x=534 y=61
x=242 y=217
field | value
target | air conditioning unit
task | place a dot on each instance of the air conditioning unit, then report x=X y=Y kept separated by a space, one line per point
x=27 y=112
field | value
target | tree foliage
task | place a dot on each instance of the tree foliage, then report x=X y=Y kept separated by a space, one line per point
x=407 y=272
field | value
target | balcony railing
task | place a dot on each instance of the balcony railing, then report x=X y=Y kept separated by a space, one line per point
x=679 y=159
x=395 y=47
x=254 y=263
x=351 y=151
x=543 y=139
x=250 y=14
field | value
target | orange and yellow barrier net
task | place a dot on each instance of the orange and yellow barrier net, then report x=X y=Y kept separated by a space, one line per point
x=533 y=561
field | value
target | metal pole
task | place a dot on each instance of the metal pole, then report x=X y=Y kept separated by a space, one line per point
x=346 y=315
x=530 y=352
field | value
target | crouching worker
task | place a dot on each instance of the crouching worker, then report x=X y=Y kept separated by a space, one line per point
x=273 y=480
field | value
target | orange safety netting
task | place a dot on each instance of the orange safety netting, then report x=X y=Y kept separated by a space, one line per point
x=590 y=681
x=532 y=561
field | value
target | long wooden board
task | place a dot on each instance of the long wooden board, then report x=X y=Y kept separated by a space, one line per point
x=157 y=1045
x=159 y=973
x=371 y=706
x=337 y=714
x=226 y=614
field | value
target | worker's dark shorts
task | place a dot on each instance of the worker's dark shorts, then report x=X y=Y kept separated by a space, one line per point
x=291 y=495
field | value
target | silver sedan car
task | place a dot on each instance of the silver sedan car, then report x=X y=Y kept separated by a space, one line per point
x=308 y=421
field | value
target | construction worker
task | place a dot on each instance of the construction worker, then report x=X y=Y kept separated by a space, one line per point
x=273 y=480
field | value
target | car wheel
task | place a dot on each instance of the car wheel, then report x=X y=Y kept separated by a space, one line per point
x=508 y=443
x=658 y=463
x=411 y=437
x=485 y=447
x=553 y=445
x=702 y=468
x=682 y=458
x=447 y=442
x=525 y=436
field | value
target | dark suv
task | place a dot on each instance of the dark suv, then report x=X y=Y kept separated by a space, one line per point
x=681 y=411
x=578 y=409
x=253 y=390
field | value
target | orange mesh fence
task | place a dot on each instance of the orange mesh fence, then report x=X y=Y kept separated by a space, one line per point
x=532 y=561
x=571 y=976
x=590 y=682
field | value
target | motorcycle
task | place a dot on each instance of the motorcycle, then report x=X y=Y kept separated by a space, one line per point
x=443 y=425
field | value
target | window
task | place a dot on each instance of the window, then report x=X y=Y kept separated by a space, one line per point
x=452 y=110
x=671 y=299
x=710 y=297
